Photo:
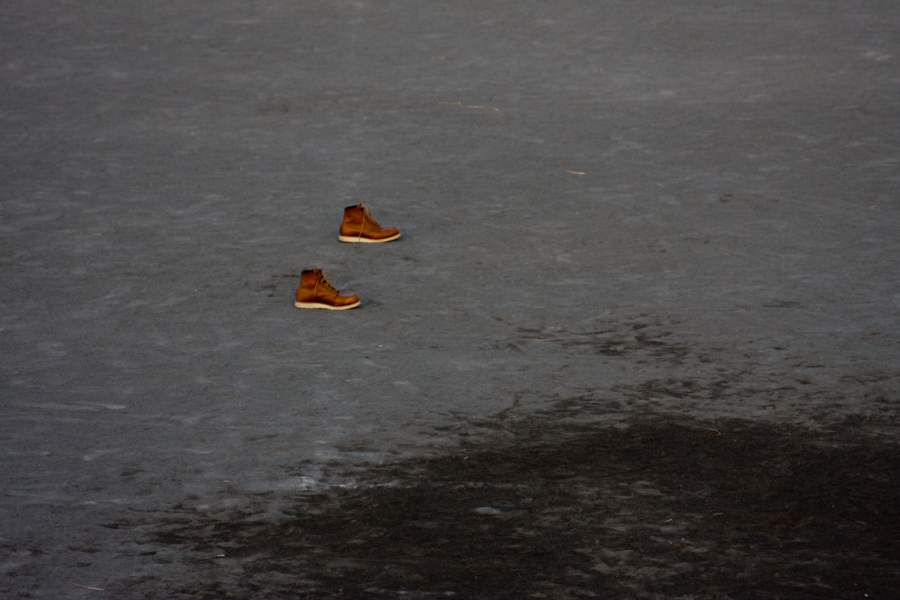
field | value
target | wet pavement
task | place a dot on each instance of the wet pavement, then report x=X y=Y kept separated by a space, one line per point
x=639 y=338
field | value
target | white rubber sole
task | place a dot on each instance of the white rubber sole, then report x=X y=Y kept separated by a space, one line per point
x=352 y=239
x=325 y=306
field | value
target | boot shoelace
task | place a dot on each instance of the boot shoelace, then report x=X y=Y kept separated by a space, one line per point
x=323 y=281
x=367 y=217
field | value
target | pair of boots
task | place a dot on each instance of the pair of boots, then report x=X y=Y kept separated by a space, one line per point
x=358 y=226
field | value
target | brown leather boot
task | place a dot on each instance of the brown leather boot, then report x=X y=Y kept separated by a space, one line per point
x=359 y=226
x=316 y=292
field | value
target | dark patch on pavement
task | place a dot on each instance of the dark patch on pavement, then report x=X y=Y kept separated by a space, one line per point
x=561 y=510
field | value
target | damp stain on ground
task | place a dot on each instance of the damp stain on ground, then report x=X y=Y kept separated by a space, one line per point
x=648 y=509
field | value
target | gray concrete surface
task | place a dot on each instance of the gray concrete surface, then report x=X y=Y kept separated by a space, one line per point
x=683 y=207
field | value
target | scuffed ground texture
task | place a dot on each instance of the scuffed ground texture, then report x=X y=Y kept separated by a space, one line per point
x=552 y=510
x=648 y=284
